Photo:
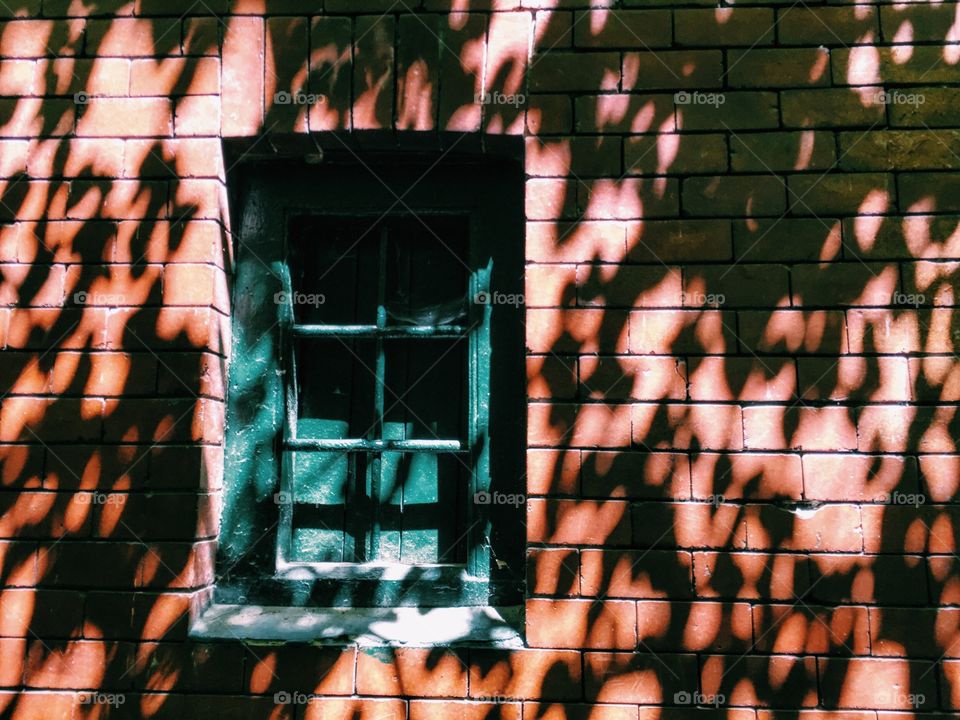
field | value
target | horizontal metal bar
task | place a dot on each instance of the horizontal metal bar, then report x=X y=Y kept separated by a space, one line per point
x=358 y=445
x=398 y=331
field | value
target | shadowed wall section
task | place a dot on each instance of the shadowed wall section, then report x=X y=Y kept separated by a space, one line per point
x=742 y=245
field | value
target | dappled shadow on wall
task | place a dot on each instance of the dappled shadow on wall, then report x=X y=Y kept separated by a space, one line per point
x=741 y=361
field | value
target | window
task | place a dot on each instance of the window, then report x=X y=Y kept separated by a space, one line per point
x=376 y=398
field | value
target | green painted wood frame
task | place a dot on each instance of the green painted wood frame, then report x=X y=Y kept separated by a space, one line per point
x=265 y=194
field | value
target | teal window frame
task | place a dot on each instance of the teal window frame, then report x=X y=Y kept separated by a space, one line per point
x=254 y=566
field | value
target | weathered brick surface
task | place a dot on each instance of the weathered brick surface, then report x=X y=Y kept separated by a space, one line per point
x=742 y=248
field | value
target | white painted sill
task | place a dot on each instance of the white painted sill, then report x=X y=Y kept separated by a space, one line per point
x=401 y=626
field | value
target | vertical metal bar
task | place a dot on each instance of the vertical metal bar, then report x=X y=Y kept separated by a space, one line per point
x=376 y=465
x=288 y=371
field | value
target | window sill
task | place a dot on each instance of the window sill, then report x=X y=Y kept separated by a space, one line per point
x=401 y=626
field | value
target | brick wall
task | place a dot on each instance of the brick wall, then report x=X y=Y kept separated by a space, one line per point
x=741 y=323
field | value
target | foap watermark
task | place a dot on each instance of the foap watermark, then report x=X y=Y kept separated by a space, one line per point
x=898 y=97
x=293 y=698
x=698 y=299
x=493 y=297
x=899 y=498
x=493 y=699
x=683 y=697
x=101 y=698
x=499 y=498
x=299 y=298
x=699 y=98
x=895 y=698
x=716 y=500
x=84 y=98
x=498 y=98
x=912 y=299
x=100 y=498
x=298 y=98
x=98 y=298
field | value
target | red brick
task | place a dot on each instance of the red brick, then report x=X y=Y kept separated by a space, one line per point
x=749 y=27
x=610 y=624
x=756 y=476
x=799 y=428
x=792 y=332
x=671 y=69
x=588 y=425
x=326 y=709
x=777 y=68
x=551 y=471
x=443 y=709
x=675 y=331
x=526 y=674
x=641 y=678
x=882 y=684
x=736 y=196
x=703 y=625
x=915 y=632
x=830 y=528
x=688 y=525
x=880 y=379
x=750 y=576
x=857 y=478
x=373 y=80
x=243 y=73
x=635 y=474
x=679 y=240
x=647 y=574
x=624 y=29
x=637 y=378
x=749 y=379
x=553 y=572
x=571 y=522
x=798 y=629
x=389 y=672
x=712 y=427
x=828 y=26
x=755 y=680
x=570 y=72
x=126 y=117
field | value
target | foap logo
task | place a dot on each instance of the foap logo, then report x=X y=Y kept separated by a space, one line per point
x=898 y=97
x=896 y=698
x=299 y=98
x=911 y=299
x=98 y=298
x=699 y=98
x=899 y=498
x=716 y=500
x=100 y=498
x=499 y=498
x=498 y=98
x=699 y=299
x=493 y=297
x=299 y=298
x=697 y=698
x=100 y=698
x=293 y=698
x=84 y=98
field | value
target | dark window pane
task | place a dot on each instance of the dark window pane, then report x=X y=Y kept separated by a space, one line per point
x=426 y=389
x=427 y=273
x=334 y=269
x=336 y=379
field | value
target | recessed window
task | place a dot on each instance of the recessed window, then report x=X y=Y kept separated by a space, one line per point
x=384 y=375
x=376 y=400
